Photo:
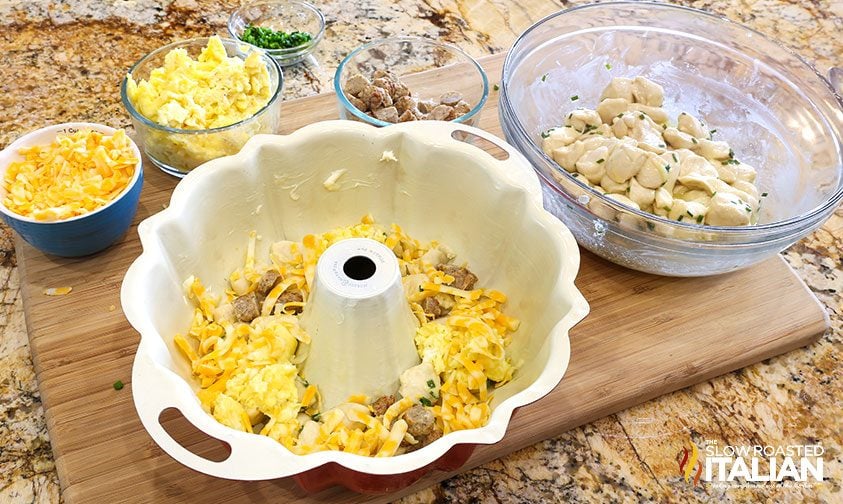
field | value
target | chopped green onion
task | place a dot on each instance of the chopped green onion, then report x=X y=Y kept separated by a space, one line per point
x=544 y=77
x=694 y=140
x=712 y=132
x=680 y=218
x=675 y=159
x=316 y=417
x=689 y=213
x=118 y=385
x=699 y=219
x=495 y=87
x=608 y=66
x=267 y=38
x=431 y=384
x=600 y=160
x=641 y=116
x=425 y=402
x=763 y=195
x=575 y=98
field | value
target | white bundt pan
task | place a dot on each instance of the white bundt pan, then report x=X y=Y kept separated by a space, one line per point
x=489 y=211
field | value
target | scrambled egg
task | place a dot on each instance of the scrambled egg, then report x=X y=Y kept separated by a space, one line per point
x=75 y=174
x=249 y=372
x=211 y=91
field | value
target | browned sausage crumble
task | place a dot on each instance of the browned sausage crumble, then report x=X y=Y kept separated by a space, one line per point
x=432 y=308
x=380 y=406
x=388 y=99
x=463 y=278
x=246 y=307
x=267 y=282
x=289 y=296
x=420 y=421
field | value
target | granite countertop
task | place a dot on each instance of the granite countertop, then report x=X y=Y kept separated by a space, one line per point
x=63 y=62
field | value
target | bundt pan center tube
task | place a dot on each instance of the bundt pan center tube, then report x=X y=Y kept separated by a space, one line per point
x=358 y=300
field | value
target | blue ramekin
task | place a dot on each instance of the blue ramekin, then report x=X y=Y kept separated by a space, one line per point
x=82 y=235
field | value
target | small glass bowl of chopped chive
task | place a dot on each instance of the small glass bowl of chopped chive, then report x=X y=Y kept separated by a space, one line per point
x=288 y=30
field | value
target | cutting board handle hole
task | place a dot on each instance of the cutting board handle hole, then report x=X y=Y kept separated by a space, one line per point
x=470 y=138
x=192 y=439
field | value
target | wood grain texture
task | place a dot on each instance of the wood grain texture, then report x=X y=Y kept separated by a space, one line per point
x=645 y=336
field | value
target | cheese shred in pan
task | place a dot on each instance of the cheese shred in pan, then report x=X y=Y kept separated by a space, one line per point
x=249 y=372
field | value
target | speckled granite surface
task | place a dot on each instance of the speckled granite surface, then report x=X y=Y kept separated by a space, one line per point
x=63 y=62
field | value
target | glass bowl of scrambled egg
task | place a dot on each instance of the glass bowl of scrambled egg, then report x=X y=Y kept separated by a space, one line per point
x=230 y=338
x=745 y=135
x=200 y=99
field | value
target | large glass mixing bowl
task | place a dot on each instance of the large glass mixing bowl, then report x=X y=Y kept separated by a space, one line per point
x=773 y=108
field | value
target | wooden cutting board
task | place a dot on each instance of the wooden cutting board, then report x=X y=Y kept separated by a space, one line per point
x=640 y=341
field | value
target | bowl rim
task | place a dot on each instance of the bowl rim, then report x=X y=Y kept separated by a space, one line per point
x=135 y=114
x=243 y=464
x=783 y=226
x=346 y=104
x=290 y=52
x=12 y=148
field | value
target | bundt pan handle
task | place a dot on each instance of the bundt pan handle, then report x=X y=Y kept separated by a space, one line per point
x=522 y=171
x=154 y=391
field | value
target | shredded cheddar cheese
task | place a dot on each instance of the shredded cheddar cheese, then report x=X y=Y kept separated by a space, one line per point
x=60 y=291
x=250 y=376
x=75 y=174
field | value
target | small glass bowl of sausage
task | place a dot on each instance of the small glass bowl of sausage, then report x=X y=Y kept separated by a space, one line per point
x=403 y=79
